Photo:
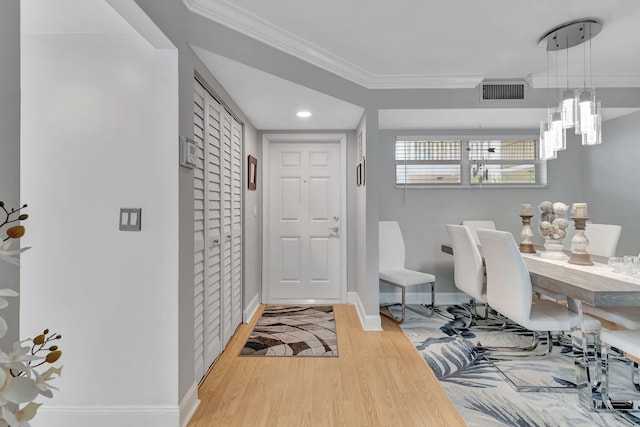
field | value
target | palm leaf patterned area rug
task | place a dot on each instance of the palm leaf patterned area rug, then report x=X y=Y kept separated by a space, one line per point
x=482 y=394
x=293 y=331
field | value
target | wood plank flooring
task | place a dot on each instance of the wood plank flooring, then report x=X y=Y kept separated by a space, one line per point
x=379 y=379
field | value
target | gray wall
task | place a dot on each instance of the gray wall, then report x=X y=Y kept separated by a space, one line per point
x=424 y=213
x=10 y=146
x=612 y=182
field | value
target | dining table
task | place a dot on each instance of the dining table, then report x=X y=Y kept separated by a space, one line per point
x=596 y=285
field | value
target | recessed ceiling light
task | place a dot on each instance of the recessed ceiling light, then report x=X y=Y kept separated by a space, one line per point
x=303 y=114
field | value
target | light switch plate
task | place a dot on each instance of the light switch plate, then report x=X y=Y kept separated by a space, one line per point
x=188 y=155
x=130 y=219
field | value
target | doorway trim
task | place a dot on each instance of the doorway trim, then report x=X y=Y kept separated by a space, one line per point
x=340 y=138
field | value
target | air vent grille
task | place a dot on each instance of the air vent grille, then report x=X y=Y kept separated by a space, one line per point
x=502 y=91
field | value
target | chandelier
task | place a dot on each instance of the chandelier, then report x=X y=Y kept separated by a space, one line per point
x=575 y=108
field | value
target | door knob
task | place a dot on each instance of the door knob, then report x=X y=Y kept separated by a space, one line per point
x=334 y=229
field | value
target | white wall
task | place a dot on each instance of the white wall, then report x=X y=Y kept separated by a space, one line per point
x=352 y=214
x=612 y=182
x=368 y=198
x=100 y=132
x=252 y=232
x=10 y=146
x=367 y=295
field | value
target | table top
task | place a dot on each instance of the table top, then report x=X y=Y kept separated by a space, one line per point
x=595 y=285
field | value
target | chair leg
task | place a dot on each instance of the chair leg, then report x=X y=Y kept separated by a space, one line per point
x=515 y=382
x=614 y=405
x=433 y=298
x=433 y=302
x=474 y=320
x=403 y=305
x=474 y=305
x=594 y=380
x=534 y=344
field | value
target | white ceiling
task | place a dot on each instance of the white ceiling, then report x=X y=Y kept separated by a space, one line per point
x=382 y=44
x=429 y=43
x=272 y=102
x=422 y=44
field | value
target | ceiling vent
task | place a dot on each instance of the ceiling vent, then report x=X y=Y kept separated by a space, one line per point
x=500 y=91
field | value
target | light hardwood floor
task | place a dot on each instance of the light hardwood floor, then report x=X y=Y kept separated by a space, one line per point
x=379 y=379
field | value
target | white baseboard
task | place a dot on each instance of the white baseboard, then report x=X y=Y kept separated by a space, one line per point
x=189 y=404
x=442 y=298
x=251 y=309
x=370 y=322
x=107 y=416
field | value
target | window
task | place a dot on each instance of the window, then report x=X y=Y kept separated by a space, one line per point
x=468 y=163
x=428 y=162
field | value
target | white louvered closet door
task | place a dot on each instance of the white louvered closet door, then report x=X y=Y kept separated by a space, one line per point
x=207 y=223
x=231 y=149
x=217 y=228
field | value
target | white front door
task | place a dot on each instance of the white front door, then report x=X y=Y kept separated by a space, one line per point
x=304 y=238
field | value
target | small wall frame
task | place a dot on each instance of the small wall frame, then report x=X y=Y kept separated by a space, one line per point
x=252 y=173
x=361 y=173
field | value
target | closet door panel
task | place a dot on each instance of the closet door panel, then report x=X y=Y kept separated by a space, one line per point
x=236 y=221
x=213 y=344
x=227 y=294
x=199 y=231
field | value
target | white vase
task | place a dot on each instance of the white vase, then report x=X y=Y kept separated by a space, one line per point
x=554 y=249
x=553 y=228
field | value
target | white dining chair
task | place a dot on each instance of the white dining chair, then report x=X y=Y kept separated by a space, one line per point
x=603 y=239
x=627 y=342
x=509 y=291
x=468 y=270
x=475 y=224
x=391 y=252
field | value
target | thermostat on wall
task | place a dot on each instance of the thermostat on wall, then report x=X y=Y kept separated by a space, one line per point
x=187 y=152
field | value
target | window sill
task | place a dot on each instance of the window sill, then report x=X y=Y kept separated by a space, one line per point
x=472 y=187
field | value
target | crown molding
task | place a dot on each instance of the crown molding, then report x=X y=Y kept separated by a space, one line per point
x=538 y=81
x=243 y=21
x=422 y=81
x=226 y=13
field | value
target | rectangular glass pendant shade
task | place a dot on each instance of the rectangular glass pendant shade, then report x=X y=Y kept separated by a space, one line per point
x=592 y=129
x=568 y=109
